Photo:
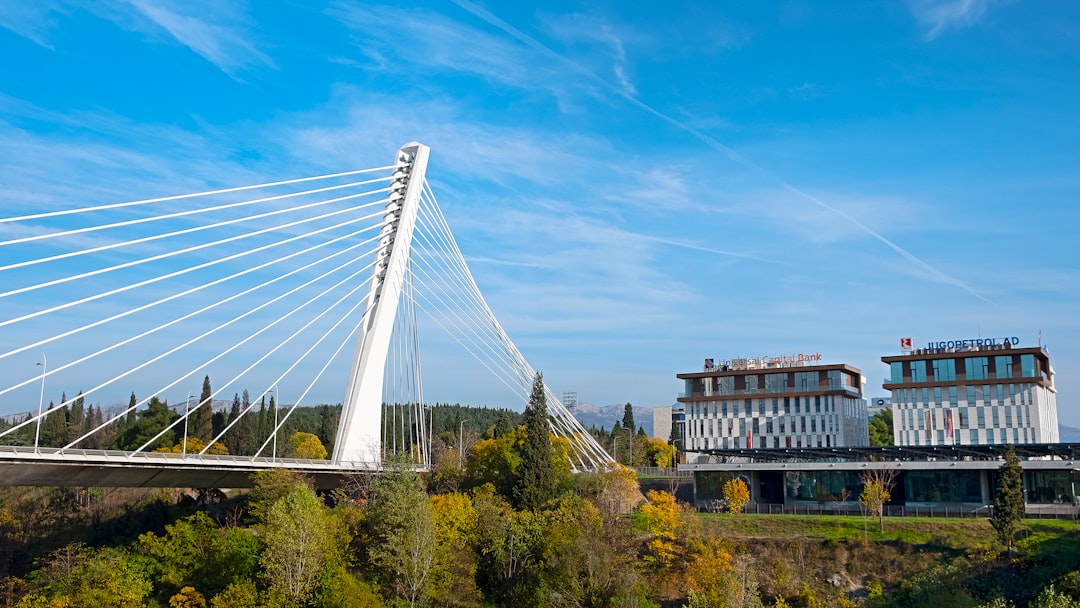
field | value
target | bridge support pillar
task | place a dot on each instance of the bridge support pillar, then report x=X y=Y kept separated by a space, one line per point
x=359 y=432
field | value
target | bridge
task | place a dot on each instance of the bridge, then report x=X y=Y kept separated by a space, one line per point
x=293 y=283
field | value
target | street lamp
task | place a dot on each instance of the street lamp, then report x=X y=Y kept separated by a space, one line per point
x=184 y=445
x=277 y=406
x=461 y=443
x=41 y=400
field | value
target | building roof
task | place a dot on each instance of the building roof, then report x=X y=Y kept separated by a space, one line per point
x=1063 y=451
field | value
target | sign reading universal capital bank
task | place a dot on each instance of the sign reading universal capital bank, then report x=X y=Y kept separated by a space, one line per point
x=795 y=358
x=974 y=342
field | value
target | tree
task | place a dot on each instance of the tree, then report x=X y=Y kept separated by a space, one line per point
x=307 y=446
x=628 y=417
x=203 y=426
x=736 y=494
x=148 y=423
x=535 y=482
x=881 y=428
x=401 y=522
x=299 y=539
x=1008 y=499
x=877 y=490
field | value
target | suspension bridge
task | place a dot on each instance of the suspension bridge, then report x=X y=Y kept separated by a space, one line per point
x=290 y=284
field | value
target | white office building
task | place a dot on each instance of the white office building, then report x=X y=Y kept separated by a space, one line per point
x=972 y=392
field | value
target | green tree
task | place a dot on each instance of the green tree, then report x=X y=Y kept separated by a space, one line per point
x=299 y=541
x=148 y=423
x=1052 y=598
x=535 y=482
x=628 y=417
x=1008 y=499
x=401 y=522
x=881 y=428
x=203 y=424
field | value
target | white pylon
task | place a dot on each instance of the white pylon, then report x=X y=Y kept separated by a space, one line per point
x=359 y=432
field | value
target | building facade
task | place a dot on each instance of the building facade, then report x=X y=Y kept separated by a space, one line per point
x=972 y=392
x=773 y=402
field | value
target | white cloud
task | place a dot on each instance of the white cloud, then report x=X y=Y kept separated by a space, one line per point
x=223 y=45
x=32 y=20
x=940 y=15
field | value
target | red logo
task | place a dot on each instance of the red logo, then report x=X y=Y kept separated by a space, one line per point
x=905 y=343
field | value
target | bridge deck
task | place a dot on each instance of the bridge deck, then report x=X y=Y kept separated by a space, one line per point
x=23 y=466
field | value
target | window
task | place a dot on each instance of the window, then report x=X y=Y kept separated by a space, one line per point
x=944 y=370
x=937 y=395
x=994 y=417
x=952 y=395
x=1027 y=366
x=752 y=385
x=775 y=405
x=776 y=383
x=806 y=381
x=977 y=368
x=726 y=385
x=980 y=417
x=896 y=369
x=971 y=395
x=1003 y=366
x=918 y=371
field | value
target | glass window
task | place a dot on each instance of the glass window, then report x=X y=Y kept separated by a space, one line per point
x=943 y=486
x=980 y=417
x=918 y=371
x=952 y=395
x=726 y=385
x=944 y=370
x=971 y=395
x=752 y=384
x=1003 y=366
x=776 y=383
x=896 y=369
x=748 y=407
x=787 y=405
x=775 y=406
x=1027 y=366
x=806 y=381
x=977 y=368
x=937 y=395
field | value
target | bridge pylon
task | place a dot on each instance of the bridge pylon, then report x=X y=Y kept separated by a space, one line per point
x=359 y=431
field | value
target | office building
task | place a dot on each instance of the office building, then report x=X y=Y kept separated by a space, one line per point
x=972 y=392
x=790 y=401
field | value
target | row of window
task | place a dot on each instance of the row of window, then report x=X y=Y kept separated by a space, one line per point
x=738 y=427
x=804 y=382
x=736 y=443
x=788 y=405
x=967 y=436
x=964 y=417
x=1000 y=394
x=974 y=368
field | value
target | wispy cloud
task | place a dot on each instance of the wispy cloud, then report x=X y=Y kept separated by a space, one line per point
x=712 y=142
x=940 y=15
x=215 y=35
x=33 y=20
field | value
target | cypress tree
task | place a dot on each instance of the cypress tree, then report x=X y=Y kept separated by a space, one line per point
x=1008 y=499
x=203 y=426
x=536 y=478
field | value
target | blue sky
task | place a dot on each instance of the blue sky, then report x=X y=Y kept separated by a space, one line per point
x=636 y=187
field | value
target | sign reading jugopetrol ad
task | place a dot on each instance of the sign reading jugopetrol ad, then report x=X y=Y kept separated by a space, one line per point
x=974 y=343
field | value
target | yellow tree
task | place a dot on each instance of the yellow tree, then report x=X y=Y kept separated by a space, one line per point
x=619 y=491
x=306 y=446
x=660 y=453
x=736 y=494
x=661 y=521
x=877 y=490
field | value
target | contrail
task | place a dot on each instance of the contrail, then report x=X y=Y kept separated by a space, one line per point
x=712 y=142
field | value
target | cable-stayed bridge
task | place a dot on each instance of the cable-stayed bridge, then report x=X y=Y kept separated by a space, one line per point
x=274 y=289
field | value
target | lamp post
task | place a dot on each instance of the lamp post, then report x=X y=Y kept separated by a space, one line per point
x=615 y=448
x=184 y=445
x=276 y=407
x=41 y=400
x=461 y=443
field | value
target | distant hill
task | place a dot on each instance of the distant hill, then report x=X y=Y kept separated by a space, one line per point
x=607 y=415
x=1067 y=434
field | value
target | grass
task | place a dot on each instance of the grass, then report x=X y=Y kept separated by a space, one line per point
x=947 y=533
